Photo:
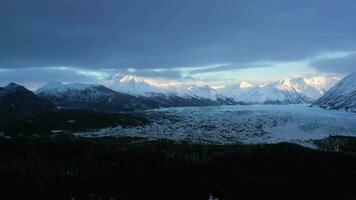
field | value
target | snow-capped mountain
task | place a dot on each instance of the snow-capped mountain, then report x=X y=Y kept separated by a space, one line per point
x=131 y=92
x=98 y=97
x=58 y=89
x=297 y=90
x=208 y=93
x=273 y=93
x=202 y=92
x=342 y=96
x=313 y=87
x=150 y=87
x=91 y=97
x=141 y=86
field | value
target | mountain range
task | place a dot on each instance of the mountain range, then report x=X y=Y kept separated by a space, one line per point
x=342 y=96
x=100 y=98
x=297 y=90
x=128 y=93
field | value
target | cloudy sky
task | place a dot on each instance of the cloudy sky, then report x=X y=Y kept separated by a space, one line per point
x=209 y=41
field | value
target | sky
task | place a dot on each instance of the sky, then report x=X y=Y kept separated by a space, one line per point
x=199 y=41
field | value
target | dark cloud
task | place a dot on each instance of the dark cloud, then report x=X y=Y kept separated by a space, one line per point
x=337 y=65
x=170 y=33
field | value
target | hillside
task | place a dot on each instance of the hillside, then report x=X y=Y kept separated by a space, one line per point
x=342 y=96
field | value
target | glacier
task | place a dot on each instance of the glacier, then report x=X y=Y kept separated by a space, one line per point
x=248 y=124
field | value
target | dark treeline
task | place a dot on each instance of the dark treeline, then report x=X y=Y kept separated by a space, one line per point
x=125 y=168
x=68 y=121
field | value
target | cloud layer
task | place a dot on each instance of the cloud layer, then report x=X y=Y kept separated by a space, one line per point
x=338 y=65
x=159 y=38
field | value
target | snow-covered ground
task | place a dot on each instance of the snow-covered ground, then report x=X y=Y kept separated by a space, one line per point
x=248 y=124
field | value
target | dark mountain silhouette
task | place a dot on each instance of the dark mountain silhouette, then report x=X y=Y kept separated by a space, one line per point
x=16 y=100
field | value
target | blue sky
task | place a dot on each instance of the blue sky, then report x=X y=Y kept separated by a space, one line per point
x=188 y=40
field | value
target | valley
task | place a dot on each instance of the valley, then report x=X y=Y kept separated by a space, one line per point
x=248 y=124
x=82 y=141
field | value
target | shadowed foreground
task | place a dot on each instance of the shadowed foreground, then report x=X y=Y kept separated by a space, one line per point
x=127 y=168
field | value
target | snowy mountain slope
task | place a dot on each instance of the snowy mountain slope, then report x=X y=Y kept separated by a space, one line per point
x=152 y=93
x=146 y=87
x=282 y=92
x=141 y=86
x=92 y=97
x=297 y=90
x=73 y=89
x=274 y=93
x=98 y=97
x=202 y=92
x=245 y=92
x=314 y=87
x=342 y=96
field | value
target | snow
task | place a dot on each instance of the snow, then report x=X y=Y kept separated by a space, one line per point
x=291 y=90
x=146 y=87
x=263 y=94
x=249 y=124
x=342 y=96
x=142 y=86
x=77 y=91
x=298 y=90
x=135 y=85
x=346 y=86
x=57 y=87
x=246 y=84
x=314 y=87
x=205 y=92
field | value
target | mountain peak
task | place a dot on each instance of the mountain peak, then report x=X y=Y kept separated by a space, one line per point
x=346 y=85
x=13 y=86
x=342 y=96
x=12 y=101
x=139 y=85
x=246 y=84
x=129 y=78
x=58 y=86
x=301 y=89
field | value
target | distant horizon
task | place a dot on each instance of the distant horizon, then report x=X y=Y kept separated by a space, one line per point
x=176 y=83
